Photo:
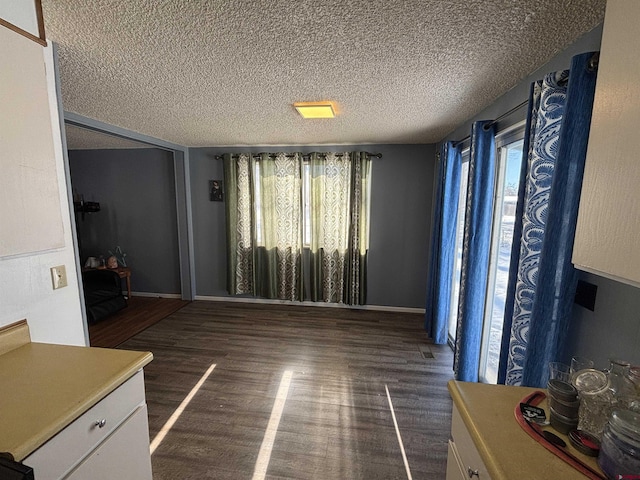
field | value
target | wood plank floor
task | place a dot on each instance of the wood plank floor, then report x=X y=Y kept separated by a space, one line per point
x=140 y=313
x=335 y=420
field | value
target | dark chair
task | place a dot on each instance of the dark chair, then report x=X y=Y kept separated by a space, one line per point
x=102 y=294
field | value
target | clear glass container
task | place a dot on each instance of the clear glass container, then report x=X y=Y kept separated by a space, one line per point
x=596 y=400
x=621 y=385
x=620 y=447
x=634 y=376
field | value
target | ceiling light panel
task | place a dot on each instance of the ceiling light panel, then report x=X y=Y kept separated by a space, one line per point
x=315 y=109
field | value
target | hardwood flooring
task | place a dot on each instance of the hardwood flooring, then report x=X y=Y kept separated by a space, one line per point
x=140 y=313
x=335 y=420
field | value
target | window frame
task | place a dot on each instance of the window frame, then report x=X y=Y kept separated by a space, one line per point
x=503 y=139
x=465 y=156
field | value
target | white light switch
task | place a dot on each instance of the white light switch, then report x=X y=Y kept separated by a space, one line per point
x=59 y=276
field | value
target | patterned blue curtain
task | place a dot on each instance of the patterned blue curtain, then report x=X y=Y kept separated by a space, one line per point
x=476 y=250
x=443 y=243
x=542 y=279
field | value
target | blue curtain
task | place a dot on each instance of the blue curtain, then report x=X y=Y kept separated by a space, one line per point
x=443 y=243
x=542 y=280
x=476 y=250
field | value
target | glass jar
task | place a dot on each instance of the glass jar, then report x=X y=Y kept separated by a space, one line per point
x=621 y=384
x=634 y=376
x=620 y=447
x=595 y=401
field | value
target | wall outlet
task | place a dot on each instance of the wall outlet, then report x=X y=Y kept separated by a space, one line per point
x=59 y=276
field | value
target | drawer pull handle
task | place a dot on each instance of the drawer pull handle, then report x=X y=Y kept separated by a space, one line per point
x=103 y=422
x=473 y=473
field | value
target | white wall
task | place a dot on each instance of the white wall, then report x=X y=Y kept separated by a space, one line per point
x=25 y=281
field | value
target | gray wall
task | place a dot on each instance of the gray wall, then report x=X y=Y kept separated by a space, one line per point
x=613 y=329
x=400 y=220
x=136 y=191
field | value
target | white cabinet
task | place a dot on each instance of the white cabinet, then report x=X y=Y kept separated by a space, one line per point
x=110 y=440
x=608 y=228
x=123 y=455
x=463 y=461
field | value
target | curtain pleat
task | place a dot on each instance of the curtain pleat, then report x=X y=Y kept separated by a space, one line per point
x=542 y=280
x=443 y=243
x=557 y=278
x=476 y=250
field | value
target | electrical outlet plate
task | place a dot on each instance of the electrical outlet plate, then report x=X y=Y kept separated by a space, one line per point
x=59 y=276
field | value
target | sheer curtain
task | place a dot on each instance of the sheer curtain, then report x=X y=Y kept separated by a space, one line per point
x=340 y=187
x=443 y=243
x=542 y=280
x=265 y=220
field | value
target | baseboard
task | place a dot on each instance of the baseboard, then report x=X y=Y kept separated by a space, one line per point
x=154 y=295
x=382 y=308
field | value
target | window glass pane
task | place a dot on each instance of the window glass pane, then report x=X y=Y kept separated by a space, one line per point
x=510 y=160
x=257 y=212
x=306 y=199
x=457 y=266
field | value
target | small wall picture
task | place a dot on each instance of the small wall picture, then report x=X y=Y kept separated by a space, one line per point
x=215 y=190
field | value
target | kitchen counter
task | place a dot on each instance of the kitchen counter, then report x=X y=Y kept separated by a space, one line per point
x=507 y=451
x=45 y=387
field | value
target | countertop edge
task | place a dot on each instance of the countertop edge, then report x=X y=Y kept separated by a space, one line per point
x=458 y=399
x=24 y=450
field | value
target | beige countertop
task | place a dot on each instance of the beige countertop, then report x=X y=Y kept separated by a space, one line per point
x=506 y=449
x=44 y=387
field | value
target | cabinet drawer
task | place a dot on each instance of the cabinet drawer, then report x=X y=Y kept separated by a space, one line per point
x=455 y=469
x=466 y=449
x=124 y=455
x=62 y=452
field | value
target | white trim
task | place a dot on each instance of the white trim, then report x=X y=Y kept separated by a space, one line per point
x=511 y=134
x=154 y=295
x=381 y=308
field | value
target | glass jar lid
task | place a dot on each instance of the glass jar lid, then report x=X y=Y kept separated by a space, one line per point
x=591 y=381
x=626 y=422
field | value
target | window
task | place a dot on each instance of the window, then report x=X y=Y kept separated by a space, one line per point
x=306 y=204
x=509 y=158
x=457 y=265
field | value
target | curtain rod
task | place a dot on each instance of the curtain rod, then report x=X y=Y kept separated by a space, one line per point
x=492 y=123
x=219 y=157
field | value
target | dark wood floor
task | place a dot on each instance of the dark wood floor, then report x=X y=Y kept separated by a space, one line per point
x=336 y=422
x=140 y=313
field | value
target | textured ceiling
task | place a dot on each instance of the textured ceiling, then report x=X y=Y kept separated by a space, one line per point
x=203 y=73
x=81 y=138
